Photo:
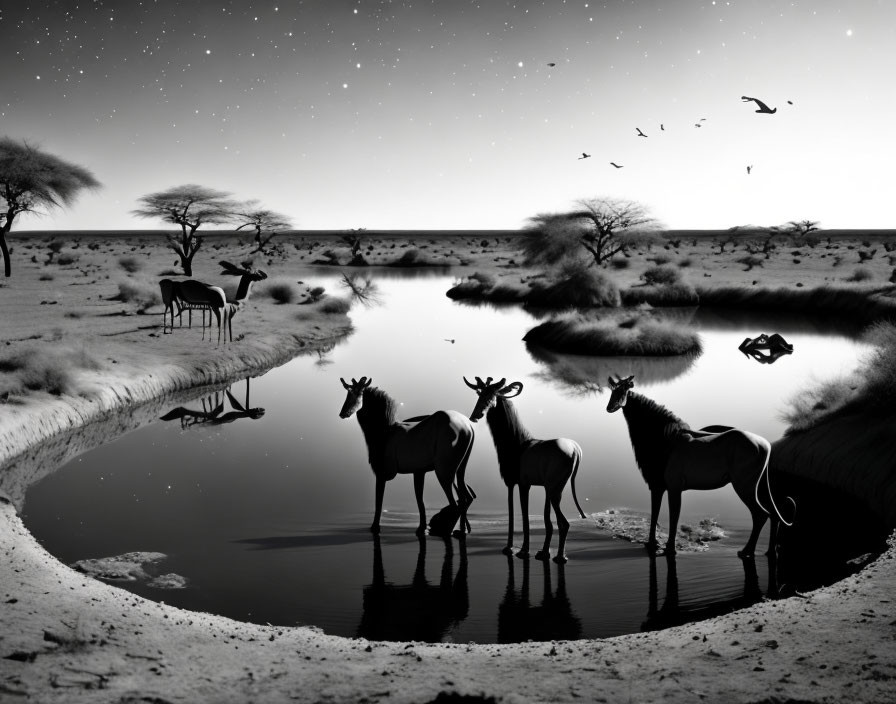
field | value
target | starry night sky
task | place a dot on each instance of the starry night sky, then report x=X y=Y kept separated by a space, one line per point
x=446 y=113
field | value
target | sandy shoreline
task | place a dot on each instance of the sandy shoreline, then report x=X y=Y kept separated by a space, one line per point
x=68 y=638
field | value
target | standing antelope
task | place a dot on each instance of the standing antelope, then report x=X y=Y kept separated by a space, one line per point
x=248 y=276
x=525 y=461
x=672 y=458
x=440 y=442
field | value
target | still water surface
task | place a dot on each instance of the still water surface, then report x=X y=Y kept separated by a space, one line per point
x=267 y=516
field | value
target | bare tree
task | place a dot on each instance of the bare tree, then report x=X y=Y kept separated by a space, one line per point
x=189 y=206
x=32 y=181
x=264 y=222
x=803 y=231
x=354 y=239
x=599 y=229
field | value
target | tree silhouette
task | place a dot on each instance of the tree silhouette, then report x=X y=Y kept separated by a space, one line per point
x=599 y=229
x=32 y=180
x=264 y=222
x=189 y=206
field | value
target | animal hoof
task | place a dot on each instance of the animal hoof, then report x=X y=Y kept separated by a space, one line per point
x=561 y=559
x=508 y=550
x=523 y=554
x=543 y=555
x=651 y=546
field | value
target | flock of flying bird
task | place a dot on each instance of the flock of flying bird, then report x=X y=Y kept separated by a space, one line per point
x=761 y=108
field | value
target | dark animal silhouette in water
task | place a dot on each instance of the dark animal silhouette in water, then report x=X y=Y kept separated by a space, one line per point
x=212 y=411
x=552 y=619
x=766 y=349
x=584 y=156
x=419 y=611
x=525 y=462
x=672 y=458
x=640 y=133
x=762 y=107
x=614 y=164
x=671 y=613
x=440 y=442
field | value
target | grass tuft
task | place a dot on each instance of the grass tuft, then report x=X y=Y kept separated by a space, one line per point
x=281 y=292
x=53 y=369
x=144 y=294
x=130 y=264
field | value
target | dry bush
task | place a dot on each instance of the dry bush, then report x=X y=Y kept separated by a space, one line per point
x=859 y=275
x=130 y=264
x=50 y=368
x=576 y=287
x=662 y=274
x=144 y=294
x=277 y=290
x=334 y=305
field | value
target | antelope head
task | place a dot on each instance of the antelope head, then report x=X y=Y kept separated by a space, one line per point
x=488 y=394
x=229 y=269
x=620 y=389
x=355 y=396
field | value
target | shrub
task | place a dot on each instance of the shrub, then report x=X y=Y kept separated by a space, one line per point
x=279 y=291
x=576 y=286
x=66 y=259
x=620 y=263
x=130 y=264
x=639 y=335
x=660 y=259
x=859 y=275
x=142 y=293
x=46 y=277
x=50 y=368
x=315 y=293
x=750 y=261
x=663 y=274
x=333 y=305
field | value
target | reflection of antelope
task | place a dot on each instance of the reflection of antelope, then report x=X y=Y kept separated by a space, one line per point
x=527 y=462
x=766 y=349
x=553 y=619
x=672 y=458
x=671 y=613
x=212 y=412
x=417 y=611
x=441 y=442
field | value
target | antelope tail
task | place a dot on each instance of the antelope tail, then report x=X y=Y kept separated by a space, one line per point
x=771 y=497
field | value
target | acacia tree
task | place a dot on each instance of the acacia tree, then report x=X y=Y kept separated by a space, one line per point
x=31 y=181
x=264 y=222
x=188 y=206
x=598 y=229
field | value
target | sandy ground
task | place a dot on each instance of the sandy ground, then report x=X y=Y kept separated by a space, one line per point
x=67 y=638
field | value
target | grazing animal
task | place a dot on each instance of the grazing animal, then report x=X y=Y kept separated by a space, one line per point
x=527 y=462
x=762 y=107
x=440 y=442
x=171 y=300
x=197 y=295
x=640 y=133
x=618 y=166
x=673 y=458
x=584 y=156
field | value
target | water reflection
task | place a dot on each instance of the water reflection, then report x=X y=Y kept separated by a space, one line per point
x=552 y=619
x=584 y=373
x=420 y=610
x=672 y=613
x=212 y=410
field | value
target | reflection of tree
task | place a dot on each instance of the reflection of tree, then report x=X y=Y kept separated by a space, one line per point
x=552 y=619
x=585 y=372
x=362 y=289
x=419 y=610
x=671 y=613
x=212 y=410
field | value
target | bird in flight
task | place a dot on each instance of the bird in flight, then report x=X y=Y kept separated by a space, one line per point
x=552 y=64
x=762 y=107
x=584 y=156
x=662 y=128
x=613 y=163
x=640 y=133
x=749 y=169
x=790 y=102
x=697 y=124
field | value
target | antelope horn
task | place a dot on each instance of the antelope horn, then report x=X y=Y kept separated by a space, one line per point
x=344 y=384
x=475 y=388
x=506 y=391
x=369 y=381
x=480 y=382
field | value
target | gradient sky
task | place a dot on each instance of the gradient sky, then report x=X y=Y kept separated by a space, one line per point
x=445 y=114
